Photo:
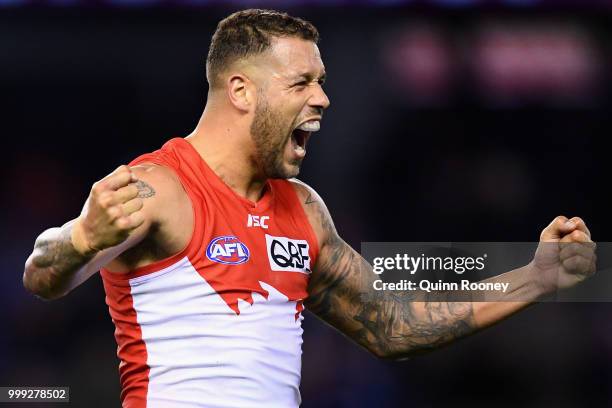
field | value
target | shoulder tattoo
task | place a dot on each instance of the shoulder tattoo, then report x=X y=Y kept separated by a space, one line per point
x=145 y=190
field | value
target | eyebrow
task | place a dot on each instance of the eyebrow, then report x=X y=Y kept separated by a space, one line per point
x=307 y=76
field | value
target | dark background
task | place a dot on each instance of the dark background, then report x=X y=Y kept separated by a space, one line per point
x=475 y=123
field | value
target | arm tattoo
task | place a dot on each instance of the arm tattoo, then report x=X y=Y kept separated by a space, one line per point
x=310 y=199
x=55 y=254
x=145 y=190
x=391 y=324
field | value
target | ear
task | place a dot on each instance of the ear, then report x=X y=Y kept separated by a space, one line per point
x=240 y=92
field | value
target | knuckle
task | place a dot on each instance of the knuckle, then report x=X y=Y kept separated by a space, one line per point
x=105 y=200
x=97 y=188
x=560 y=219
x=577 y=220
x=119 y=180
x=114 y=212
x=577 y=235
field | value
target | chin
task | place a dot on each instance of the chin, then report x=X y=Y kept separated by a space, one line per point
x=289 y=174
x=287 y=171
x=292 y=170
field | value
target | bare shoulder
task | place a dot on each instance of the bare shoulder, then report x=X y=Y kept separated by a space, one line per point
x=149 y=175
x=339 y=270
x=169 y=211
x=318 y=215
x=159 y=187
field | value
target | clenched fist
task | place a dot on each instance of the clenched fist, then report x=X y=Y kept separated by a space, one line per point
x=565 y=255
x=112 y=211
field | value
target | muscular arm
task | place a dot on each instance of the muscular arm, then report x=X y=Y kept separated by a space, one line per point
x=389 y=324
x=394 y=324
x=64 y=257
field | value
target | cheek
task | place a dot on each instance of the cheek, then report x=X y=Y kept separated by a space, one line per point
x=282 y=122
x=292 y=103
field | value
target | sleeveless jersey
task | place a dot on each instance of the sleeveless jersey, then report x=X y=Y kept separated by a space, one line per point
x=218 y=324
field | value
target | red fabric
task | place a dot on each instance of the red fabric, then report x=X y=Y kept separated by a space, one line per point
x=218 y=211
x=133 y=369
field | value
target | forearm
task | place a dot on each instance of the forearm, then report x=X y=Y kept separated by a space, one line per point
x=54 y=262
x=401 y=323
x=524 y=288
x=390 y=324
x=395 y=324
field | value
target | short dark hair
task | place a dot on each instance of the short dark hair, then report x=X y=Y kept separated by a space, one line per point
x=249 y=32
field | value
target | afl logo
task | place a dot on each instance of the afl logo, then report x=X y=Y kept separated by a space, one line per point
x=227 y=250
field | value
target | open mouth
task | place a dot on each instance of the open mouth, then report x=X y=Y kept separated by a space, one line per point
x=301 y=134
x=299 y=138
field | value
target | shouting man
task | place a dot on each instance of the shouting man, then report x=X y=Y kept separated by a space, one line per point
x=209 y=248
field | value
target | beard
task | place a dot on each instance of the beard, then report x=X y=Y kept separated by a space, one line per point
x=270 y=136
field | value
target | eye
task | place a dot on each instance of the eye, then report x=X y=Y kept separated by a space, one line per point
x=301 y=83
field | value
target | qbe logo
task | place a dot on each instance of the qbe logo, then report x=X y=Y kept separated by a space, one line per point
x=227 y=250
x=287 y=254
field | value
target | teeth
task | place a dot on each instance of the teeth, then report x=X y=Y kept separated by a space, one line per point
x=310 y=126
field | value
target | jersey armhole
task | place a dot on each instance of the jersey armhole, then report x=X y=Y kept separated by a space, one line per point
x=305 y=220
x=168 y=262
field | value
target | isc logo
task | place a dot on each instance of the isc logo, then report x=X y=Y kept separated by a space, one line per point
x=227 y=250
x=287 y=254
x=258 y=221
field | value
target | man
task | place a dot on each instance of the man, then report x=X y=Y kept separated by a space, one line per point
x=208 y=247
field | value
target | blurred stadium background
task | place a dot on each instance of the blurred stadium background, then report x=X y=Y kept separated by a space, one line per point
x=451 y=120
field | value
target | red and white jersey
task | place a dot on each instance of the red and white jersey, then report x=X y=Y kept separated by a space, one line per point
x=218 y=324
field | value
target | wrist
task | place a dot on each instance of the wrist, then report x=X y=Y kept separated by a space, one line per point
x=540 y=280
x=79 y=241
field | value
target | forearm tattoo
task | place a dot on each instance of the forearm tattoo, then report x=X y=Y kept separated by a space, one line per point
x=391 y=324
x=54 y=252
x=57 y=250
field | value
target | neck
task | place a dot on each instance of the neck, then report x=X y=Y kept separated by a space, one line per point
x=223 y=140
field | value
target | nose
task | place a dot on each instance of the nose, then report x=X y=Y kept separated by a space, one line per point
x=319 y=98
